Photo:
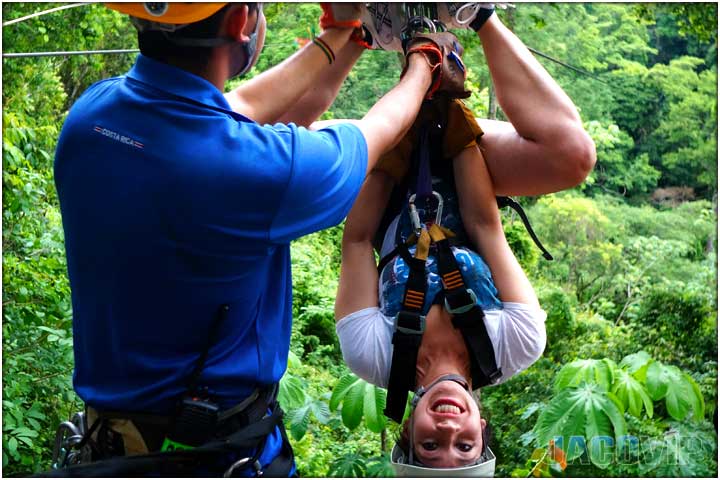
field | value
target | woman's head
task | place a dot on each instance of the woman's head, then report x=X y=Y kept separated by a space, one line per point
x=445 y=428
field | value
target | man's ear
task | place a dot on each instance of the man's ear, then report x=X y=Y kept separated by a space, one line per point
x=235 y=22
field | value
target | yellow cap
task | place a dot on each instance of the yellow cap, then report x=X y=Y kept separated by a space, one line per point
x=176 y=13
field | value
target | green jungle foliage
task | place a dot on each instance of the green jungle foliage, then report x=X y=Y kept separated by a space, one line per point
x=628 y=382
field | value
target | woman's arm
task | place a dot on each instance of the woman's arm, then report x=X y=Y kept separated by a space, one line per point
x=481 y=219
x=358 y=286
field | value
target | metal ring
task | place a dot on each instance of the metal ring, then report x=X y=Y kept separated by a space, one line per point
x=235 y=465
x=469 y=18
x=421 y=19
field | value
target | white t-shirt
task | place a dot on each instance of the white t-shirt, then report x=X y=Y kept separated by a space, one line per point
x=517 y=332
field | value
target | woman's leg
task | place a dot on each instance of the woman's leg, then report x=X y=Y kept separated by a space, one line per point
x=544 y=148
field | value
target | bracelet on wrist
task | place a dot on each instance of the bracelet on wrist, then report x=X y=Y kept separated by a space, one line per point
x=322 y=45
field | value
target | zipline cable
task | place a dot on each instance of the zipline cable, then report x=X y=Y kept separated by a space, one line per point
x=126 y=51
x=76 y=52
x=566 y=65
x=44 y=12
x=95 y=52
x=121 y=51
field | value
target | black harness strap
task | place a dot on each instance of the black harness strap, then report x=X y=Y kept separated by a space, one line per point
x=409 y=329
x=467 y=315
x=509 y=202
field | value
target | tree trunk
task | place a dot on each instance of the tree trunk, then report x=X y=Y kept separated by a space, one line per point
x=492 y=103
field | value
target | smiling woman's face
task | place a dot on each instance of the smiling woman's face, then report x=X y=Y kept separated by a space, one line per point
x=447 y=427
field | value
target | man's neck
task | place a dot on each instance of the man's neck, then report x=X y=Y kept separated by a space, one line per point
x=213 y=72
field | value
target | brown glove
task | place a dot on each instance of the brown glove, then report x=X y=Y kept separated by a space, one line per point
x=450 y=76
x=461 y=132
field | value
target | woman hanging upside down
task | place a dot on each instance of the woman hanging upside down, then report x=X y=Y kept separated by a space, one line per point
x=543 y=149
x=446 y=423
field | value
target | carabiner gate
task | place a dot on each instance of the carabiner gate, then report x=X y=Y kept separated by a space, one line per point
x=415 y=216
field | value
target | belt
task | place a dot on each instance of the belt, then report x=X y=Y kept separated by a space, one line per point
x=146 y=432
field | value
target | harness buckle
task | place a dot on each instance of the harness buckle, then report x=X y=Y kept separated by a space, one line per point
x=403 y=323
x=462 y=308
x=415 y=217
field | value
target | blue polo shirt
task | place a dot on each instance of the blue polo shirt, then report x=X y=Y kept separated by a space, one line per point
x=173 y=205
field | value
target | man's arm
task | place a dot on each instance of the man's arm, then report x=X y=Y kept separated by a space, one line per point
x=268 y=96
x=546 y=148
x=358 y=285
x=321 y=95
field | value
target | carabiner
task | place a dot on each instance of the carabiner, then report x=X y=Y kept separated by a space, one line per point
x=415 y=217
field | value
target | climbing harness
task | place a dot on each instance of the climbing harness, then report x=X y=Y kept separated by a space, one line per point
x=458 y=299
x=196 y=438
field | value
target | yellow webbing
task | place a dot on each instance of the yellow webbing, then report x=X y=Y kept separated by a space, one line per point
x=423 y=246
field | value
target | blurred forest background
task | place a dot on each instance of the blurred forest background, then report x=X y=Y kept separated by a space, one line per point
x=631 y=297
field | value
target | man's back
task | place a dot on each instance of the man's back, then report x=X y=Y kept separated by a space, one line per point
x=174 y=206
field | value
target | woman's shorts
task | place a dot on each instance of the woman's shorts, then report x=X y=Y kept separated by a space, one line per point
x=473 y=268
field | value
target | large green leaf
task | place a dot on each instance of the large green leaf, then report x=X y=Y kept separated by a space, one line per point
x=597 y=372
x=321 y=411
x=697 y=401
x=352 y=409
x=637 y=364
x=679 y=390
x=359 y=398
x=299 y=419
x=373 y=406
x=291 y=393
x=657 y=380
x=343 y=386
x=631 y=394
x=348 y=465
x=586 y=411
x=380 y=467
x=293 y=360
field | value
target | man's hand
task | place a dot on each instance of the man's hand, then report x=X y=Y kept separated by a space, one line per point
x=341 y=15
x=443 y=52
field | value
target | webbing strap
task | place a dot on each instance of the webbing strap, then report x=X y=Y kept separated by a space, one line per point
x=509 y=202
x=185 y=463
x=423 y=187
x=467 y=315
x=409 y=329
x=213 y=333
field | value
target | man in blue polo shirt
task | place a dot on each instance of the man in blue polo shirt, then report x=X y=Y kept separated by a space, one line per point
x=179 y=204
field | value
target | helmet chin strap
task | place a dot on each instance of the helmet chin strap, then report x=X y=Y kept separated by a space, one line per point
x=419 y=393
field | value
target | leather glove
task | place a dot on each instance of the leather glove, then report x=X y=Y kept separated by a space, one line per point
x=461 y=132
x=341 y=15
x=443 y=51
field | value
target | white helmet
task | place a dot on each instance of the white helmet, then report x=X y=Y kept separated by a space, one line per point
x=484 y=468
